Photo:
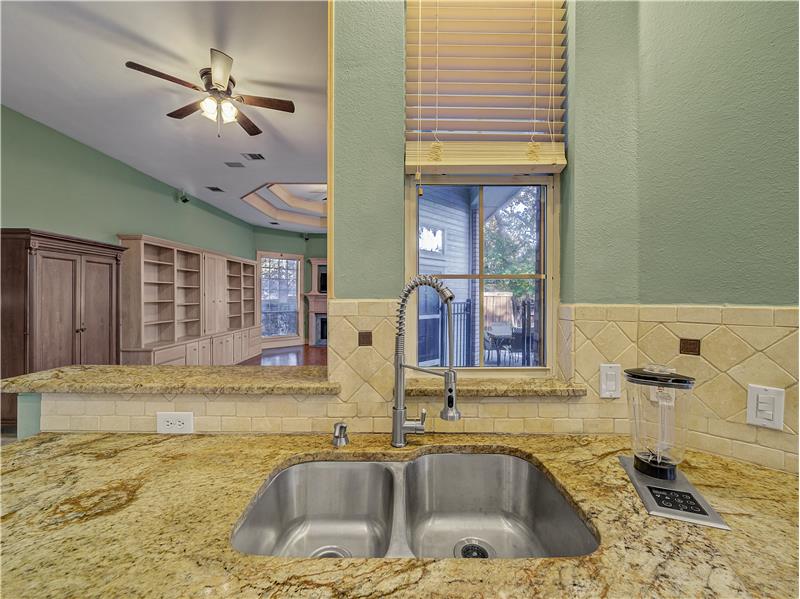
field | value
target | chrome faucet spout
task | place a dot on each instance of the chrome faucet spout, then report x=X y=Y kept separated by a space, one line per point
x=400 y=425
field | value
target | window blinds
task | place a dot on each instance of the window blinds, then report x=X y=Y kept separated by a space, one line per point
x=485 y=86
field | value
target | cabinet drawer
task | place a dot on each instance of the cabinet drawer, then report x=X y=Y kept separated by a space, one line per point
x=164 y=356
x=192 y=354
x=175 y=362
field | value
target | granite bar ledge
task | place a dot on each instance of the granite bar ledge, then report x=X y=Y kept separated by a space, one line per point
x=242 y=380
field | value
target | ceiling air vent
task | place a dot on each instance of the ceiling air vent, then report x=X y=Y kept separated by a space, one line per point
x=214 y=188
x=274 y=222
x=234 y=164
x=249 y=156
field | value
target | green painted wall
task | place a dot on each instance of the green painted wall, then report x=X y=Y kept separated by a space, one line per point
x=600 y=208
x=369 y=107
x=682 y=150
x=718 y=152
x=52 y=182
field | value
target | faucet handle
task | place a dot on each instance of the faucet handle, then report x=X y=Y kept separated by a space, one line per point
x=423 y=416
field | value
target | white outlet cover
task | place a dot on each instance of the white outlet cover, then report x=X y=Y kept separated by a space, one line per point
x=610 y=381
x=765 y=406
x=175 y=423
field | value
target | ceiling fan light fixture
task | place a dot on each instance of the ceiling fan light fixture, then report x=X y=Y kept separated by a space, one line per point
x=209 y=107
x=228 y=111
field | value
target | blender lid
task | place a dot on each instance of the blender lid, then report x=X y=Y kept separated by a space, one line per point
x=658 y=376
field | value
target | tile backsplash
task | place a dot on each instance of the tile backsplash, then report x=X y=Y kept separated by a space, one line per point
x=738 y=346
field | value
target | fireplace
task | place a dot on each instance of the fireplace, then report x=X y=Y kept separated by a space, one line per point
x=318 y=304
x=321 y=329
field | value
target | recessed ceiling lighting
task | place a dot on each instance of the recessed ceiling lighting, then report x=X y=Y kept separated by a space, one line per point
x=234 y=164
x=214 y=188
x=250 y=156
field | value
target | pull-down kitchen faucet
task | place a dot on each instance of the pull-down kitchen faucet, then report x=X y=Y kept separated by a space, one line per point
x=400 y=426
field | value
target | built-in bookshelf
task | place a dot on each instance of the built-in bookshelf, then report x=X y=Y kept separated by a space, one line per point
x=158 y=293
x=234 y=288
x=248 y=295
x=178 y=301
x=188 y=295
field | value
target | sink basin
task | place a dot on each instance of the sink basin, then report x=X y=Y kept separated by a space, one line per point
x=320 y=509
x=489 y=505
x=436 y=506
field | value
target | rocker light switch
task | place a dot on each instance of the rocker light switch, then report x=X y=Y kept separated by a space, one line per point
x=765 y=406
x=610 y=380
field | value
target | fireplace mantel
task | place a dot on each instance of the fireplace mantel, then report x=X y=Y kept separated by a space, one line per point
x=317 y=304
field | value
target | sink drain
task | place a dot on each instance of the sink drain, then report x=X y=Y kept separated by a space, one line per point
x=331 y=551
x=472 y=548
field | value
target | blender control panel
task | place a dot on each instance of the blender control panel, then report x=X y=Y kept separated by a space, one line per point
x=676 y=500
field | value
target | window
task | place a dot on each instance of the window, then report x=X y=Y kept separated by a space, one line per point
x=281 y=285
x=489 y=243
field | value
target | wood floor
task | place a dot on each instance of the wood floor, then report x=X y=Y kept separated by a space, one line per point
x=299 y=355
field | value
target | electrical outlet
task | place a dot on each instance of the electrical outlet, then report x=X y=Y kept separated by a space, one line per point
x=175 y=423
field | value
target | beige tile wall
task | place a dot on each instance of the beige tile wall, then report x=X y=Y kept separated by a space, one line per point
x=739 y=346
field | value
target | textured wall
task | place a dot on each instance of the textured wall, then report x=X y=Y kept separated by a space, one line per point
x=52 y=182
x=600 y=208
x=718 y=152
x=682 y=150
x=369 y=109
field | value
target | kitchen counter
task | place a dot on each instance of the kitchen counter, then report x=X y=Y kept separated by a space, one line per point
x=262 y=380
x=125 y=515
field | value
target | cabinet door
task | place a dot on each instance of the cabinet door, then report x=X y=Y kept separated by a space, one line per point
x=56 y=304
x=218 y=351
x=215 y=294
x=192 y=354
x=204 y=353
x=209 y=295
x=228 y=355
x=98 y=310
x=238 y=354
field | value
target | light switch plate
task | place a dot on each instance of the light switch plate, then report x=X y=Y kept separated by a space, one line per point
x=765 y=406
x=610 y=381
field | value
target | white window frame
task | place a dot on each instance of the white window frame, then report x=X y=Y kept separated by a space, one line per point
x=551 y=251
x=287 y=340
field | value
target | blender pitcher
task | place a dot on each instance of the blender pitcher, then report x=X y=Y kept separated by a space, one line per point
x=658 y=400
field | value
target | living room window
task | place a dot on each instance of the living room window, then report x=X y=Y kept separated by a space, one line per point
x=492 y=245
x=281 y=285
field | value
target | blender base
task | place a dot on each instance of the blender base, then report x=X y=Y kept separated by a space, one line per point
x=676 y=499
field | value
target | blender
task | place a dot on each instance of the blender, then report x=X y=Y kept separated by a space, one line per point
x=658 y=402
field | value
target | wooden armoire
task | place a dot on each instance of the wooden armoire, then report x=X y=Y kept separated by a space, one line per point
x=60 y=298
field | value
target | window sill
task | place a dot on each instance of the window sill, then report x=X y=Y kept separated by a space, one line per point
x=497 y=387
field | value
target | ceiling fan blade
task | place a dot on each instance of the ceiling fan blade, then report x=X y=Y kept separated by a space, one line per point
x=247 y=124
x=148 y=71
x=221 y=65
x=273 y=103
x=184 y=111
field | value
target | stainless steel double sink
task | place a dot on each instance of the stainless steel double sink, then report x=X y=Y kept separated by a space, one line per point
x=436 y=506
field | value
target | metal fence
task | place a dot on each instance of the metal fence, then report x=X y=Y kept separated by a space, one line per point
x=463 y=332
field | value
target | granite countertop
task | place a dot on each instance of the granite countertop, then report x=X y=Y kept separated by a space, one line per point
x=263 y=380
x=496 y=387
x=125 y=515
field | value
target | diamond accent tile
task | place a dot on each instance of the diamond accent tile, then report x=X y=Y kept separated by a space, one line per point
x=723 y=395
x=611 y=341
x=365 y=361
x=760 y=337
x=590 y=328
x=724 y=349
x=659 y=344
x=588 y=360
x=760 y=370
x=784 y=353
x=342 y=337
x=383 y=338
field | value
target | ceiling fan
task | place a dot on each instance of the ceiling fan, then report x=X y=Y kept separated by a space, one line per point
x=218 y=84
